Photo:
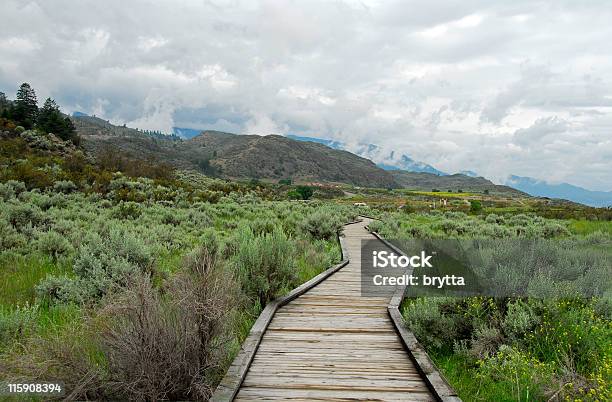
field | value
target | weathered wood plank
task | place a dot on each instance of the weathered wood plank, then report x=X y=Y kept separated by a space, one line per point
x=328 y=343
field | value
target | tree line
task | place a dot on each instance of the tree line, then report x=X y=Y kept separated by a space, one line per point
x=25 y=112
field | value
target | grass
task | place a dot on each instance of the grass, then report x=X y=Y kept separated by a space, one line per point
x=459 y=373
x=584 y=227
x=445 y=194
x=19 y=276
x=308 y=270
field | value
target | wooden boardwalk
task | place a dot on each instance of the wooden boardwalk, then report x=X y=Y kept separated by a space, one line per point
x=332 y=344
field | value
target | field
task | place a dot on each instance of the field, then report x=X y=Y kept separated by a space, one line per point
x=92 y=261
x=552 y=341
x=126 y=279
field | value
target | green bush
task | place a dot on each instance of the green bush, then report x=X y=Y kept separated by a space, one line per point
x=11 y=189
x=305 y=192
x=322 y=225
x=375 y=226
x=432 y=328
x=127 y=210
x=475 y=206
x=21 y=215
x=265 y=265
x=102 y=265
x=54 y=244
x=551 y=230
x=65 y=186
x=520 y=320
x=16 y=323
x=524 y=377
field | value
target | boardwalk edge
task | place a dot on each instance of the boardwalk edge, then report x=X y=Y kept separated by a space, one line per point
x=230 y=384
x=436 y=382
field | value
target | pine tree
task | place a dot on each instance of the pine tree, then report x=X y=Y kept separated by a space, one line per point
x=26 y=108
x=4 y=105
x=51 y=120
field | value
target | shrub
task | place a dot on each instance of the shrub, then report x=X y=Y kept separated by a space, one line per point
x=485 y=341
x=264 y=225
x=375 y=226
x=10 y=238
x=265 y=265
x=551 y=230
x=167 y=348
x=301 y=193
x=11 y=189
x=16 y=323
x=62 y=289
x=528 y=377
x=322 y=225
x=54 y=244
x=206 y=256
x=475 y=206
x=127 y=210
x=64 y=186
x=493 y=218
x=102 y=265
x=21 y=215
x=453 y=227
x=432 y=328
x=520 y=319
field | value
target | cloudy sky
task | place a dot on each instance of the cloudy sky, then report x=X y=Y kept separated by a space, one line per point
x=513 y=87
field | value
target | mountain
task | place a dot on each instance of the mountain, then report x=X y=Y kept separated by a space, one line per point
x=186 y=133
x=470 y=173
x=385 y=159
x=455 y=182
x=565 y=191
x=329 y=143
x=408 y=164
x=270 y=157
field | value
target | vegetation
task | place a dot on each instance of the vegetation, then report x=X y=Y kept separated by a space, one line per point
x=145 y=264
x=129 y=277
x=24 y=112
x=551 y=343
x=126 y=280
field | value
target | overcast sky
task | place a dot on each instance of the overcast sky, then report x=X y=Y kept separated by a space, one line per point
x=500 y=88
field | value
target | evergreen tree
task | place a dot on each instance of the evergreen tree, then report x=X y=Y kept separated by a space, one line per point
x=51 y=120
x=70 y=132
x=49 y=117
x=4 y=105
x=26 y=108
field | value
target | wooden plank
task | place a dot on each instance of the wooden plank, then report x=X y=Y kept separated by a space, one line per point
x=327 y=342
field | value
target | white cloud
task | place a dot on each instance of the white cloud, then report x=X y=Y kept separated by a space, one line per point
x=521 y=87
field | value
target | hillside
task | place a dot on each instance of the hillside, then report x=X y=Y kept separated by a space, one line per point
x=228 y=155
x=565 y=191
x=454 y=182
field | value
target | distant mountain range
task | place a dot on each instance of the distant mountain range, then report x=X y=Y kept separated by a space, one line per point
x=565 y=191
x=384 y=159
x=274 y=157
x=452 y=182
x=271 y=157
